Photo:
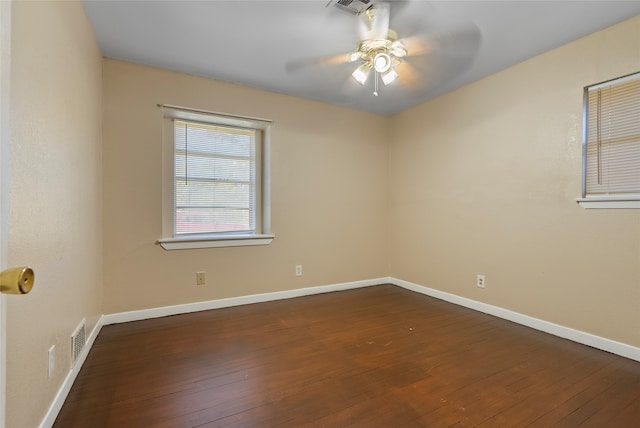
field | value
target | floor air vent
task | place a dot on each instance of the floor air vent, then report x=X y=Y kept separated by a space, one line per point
x=78 y=339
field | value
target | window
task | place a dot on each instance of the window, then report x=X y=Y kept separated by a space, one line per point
x=611 y=147
x=215 y=180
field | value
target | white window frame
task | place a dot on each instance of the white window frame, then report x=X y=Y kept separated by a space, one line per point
x=171 y=241
x=613 y=201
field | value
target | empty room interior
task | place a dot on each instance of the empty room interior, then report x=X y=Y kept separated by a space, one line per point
x=436 y=250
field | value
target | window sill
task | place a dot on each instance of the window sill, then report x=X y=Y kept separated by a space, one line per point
x=609 y=203
x=204 y=241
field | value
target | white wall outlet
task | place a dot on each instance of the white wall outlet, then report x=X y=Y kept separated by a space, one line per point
x=298 y=270
x=480 y=281
x=200 y=278
x=52 y=360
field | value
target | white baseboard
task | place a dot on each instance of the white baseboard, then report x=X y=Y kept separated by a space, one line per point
x=234 y=301
x=122 y=317
x=598 y=342
x=582 y=337
x=61 y=396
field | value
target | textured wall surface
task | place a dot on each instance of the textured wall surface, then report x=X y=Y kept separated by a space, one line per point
x=55 y=197
x=328 y=185
x=484 y=181
x=480 y=181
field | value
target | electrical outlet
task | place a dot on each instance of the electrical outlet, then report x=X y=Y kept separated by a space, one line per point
x=199 y=278
x=52 y=360
x=480 y=281
x=298 y=270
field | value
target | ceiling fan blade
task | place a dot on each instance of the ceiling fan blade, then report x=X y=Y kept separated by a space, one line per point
x=380 y=21
x=398 y=7
x=464 y=40
x=299 y=64
x=437 y=59
x=418 y=45
x=374 y=22
x=364 y=26
x=409 y=77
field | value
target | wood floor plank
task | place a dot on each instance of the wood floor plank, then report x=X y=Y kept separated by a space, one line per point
x=373 y=357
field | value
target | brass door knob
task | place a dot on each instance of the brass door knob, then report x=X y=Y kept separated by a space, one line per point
x=17 y=280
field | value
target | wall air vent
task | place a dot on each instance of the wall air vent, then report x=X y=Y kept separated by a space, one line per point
x=78 y=340
x=355 y=7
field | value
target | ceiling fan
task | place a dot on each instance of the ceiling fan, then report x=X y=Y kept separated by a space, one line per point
x=379 y=49
x=383 y=56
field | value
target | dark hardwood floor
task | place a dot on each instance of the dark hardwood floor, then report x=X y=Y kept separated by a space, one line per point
x=373 y=357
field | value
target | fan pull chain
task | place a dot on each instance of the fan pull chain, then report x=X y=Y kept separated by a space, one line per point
x=375 y=84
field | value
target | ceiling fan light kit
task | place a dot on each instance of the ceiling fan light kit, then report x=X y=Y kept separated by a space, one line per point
x=361 y=73
x=382 y=62
x=389 y=76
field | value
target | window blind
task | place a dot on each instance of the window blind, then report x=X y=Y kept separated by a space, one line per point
x=612 y=154
x=215 y=179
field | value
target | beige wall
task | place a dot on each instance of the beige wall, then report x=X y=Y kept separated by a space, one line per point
x=55 y=197
x=484 y=181
x=329 y=175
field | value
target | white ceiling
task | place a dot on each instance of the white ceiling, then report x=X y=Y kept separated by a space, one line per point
x=251 y=42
